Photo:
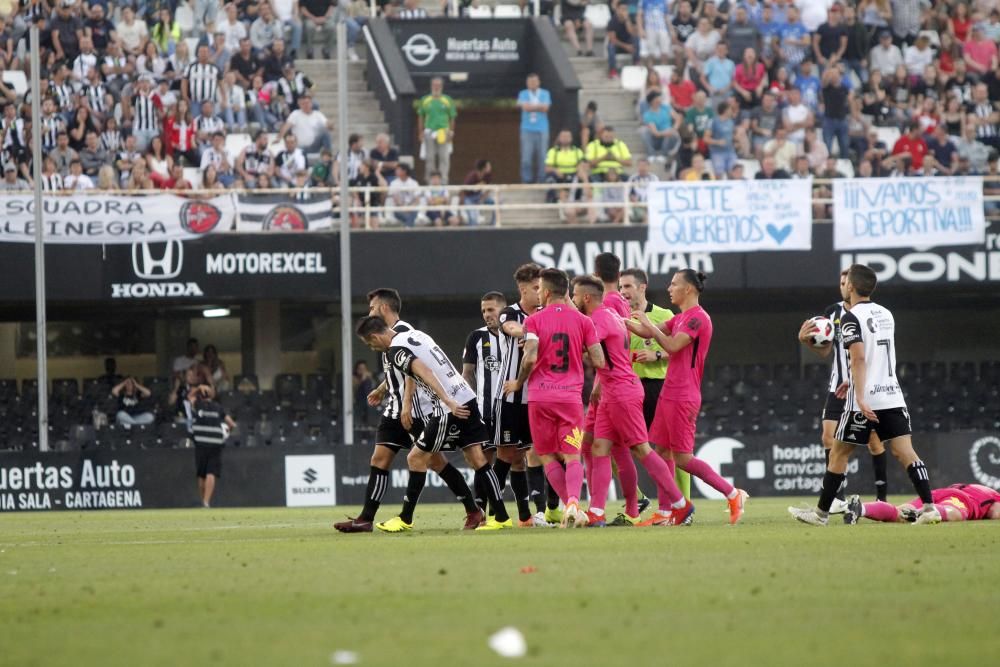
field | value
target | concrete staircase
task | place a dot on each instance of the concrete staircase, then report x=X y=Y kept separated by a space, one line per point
x=364 y=114
x=527 y=217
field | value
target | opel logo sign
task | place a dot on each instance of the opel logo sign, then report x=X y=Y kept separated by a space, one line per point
x=420 y=50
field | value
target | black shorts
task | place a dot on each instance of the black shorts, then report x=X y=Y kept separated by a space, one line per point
x=855 y=429
x=651 y=388
x=449 y=433
x=833 y=408
x=574 y=14
x=208 y=461
x=511 y=427
x=391 y=433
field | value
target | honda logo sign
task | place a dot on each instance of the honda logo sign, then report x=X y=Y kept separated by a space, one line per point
x=163 y=266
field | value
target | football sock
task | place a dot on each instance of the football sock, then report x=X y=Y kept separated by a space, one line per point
x=413 y=490
x=588 y=465
x=456 y=482
x=574 y=479
x=665 y=484
x=880 y=511
x=602 y=480
x=378 y=481
x=629 y=478
x=519 y=484
x=557 y=480
x=921 y=481
x=831 y=482
x=704 y=472
x=881 y=474
x=494 y=492
x=683 y=480
x=843 y=485
x=501 y=468
x=482 y=498
x=553 y=495
x=536 y=480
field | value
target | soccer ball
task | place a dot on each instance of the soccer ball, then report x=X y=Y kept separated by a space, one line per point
x=824 y=335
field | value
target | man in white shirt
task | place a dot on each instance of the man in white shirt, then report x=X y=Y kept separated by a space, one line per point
x=886 y=57
x=187 y=360
x=796 y=117
x=86 y=61
x=215 y=156
x=290 y=161
x=782 y=150
x=77 y=180
x=232 y=28
x=287 y=13
x=132 y=32
x=404 y=191
x=310 y=127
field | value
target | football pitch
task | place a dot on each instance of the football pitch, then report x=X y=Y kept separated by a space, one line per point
x=280 y=587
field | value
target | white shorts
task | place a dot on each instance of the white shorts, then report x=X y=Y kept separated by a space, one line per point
x=656 y=44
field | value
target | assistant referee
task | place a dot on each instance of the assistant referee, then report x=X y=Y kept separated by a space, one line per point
x=649 y=361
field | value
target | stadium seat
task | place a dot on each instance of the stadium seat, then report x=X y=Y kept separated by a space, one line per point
x=65 y=389
x=480 y=12
x=846 y=167
x=235 y=143
x=247 y=384
x=750 y=168
x=933 y=371
x=172 y=434
x=287 y=386
x=633 y=77
x=756 y=374
x=963 y=371
x=989 y=371
x=192 y=44
x=507 y=12
x=728 y=374
x=888 y=135
x=664 y=71
x=193 y=176
x=291 y=434
x=932 y=36
x=599 y=15
x=17 y=80
x=143 y=436
x=29 y=389
x=184 y=18
x=908 y=371
x=265 y=432
x=814 y=373
x=8 y=389
x=318 y=386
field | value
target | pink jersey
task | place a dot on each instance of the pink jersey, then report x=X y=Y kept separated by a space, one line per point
x=619 y=304
x=687 y=366
x=619 y=383
x=563 y=333
x=981 y=498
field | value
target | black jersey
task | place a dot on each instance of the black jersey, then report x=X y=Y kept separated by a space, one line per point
x=483 y=349
x=839 y=371
x=511 y=353
x=394 y=379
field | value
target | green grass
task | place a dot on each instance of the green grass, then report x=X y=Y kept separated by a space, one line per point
x=279 y=587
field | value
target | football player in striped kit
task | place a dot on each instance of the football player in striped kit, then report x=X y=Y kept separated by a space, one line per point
x=833 y=408
x=403 y=420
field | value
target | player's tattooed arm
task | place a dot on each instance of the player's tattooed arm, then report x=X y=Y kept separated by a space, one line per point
x=597 y=356
x=513 y=329
x=528 y=359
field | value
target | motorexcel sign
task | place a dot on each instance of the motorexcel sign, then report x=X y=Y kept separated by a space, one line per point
x=443 y=46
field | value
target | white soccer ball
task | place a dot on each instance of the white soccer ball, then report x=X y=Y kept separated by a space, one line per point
x=823 y=336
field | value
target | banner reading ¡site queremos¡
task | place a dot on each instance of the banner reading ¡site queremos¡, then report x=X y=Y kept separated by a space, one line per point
x=103 y=219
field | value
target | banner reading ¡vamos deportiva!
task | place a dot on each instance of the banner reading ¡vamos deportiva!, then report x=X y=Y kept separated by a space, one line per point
x=873 y=213
x=107 y=219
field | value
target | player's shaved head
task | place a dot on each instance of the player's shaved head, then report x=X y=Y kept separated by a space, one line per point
x=527 y=273
x=388 y=296
x=370 y=325
x=607 y=267
x=862 y=279
x=498 y=297
x=555 y=281
x=589 y=284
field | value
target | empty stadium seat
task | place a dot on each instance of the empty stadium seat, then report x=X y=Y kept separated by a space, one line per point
x=480 y=12
x=599 y=15
x=633 y=77
x=888 y=135
x=193 y=176
x=65 y=389
x=235 y=143
x=845 y=167
x=17 y=80
x=507 y=12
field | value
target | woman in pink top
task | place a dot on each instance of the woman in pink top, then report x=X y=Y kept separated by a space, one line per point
x=750 y=79
x=980 y=53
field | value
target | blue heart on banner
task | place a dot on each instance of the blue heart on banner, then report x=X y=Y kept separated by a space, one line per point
x=781 y=234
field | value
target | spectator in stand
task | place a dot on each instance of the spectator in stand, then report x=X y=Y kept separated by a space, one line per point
x=943 y=150
x=783 y=151
x=815 y=149
x=917 y=57
x=274 y=62
x=700 y=45
x=100 y=30
x=829 y=42
x=364 y=383
x=77 y=181
x=384 y=157
x=178 y=130
x=698 y=171
x=750 y=80
x=367 y=177
x=437 y=198
x=574 y=21
x=234 y=102
x=244 y=64
x=654 y=34
x=52 y=180
x=93 y=157
x=681 y=89
x=166 y=33
x=126 y=158
x=795 y=40
x=764 y=120
x=185 y=361
x=216 y=368
x=578 y=196
x=404 y=191
x=906 y=18
x=561 y=164
x=200 y=81
x=66 y=28
x=770 y=171
x=801 y=169
x=991 y=27
x=638 y=191
x=322 y=16
x=255 y=161
x=742 y=34
x=206 y=15
x=770 y=34
x=858 y=43
x=623 y=38
x=234 y=29
x=659 y=130
x=436 y=115
x=158 y=163
x=355 y=156
x=206 y=124
x=652 y=83
x=682 y=25
x=590 y=123
x=289 y=161
x=612 y=194
x=607 y=152
x=910 y=149
x=63 y=155
x=291 y=86
x=266 y=29
x=975 y=152
x=482 y=174
x=215 y=156
x=11 y=182
x=810 y=85
x=132 y=32
x=411 y=9
x=698 y=120
x=717 y=75
x=719 y=139
x=289 y=17
x=886 y=57
x=980 y=54
x=310 y=127
x=982 y=115
x=131 y=412
x=836 y=107
x=218 y=54
x=259 y=104
x=534 y=102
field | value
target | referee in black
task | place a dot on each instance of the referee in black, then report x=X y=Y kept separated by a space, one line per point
x=209 y=420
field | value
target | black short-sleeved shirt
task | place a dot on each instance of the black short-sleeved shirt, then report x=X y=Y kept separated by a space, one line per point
x=316 y=7
x=835 y=101
x=829 y=38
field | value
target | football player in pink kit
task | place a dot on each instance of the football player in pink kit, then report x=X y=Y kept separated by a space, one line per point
x=958 y=502
x=607 y=269
x=686 y=338
x=555 y=339
x=619 y=409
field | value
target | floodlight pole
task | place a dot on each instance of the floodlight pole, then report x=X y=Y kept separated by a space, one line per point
x=40 y=328
x=346 y=328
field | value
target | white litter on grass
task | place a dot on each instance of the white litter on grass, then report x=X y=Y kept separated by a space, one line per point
x=508 y=643
x=344 y=658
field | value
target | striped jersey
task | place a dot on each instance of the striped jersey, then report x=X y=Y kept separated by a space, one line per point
x=145 y=114
x=511 y=353
x=408 y=346
x=873 y=326
x=206 y=428
x=483 y=350
x=840 y=371
x=393 y=379
x=203 y=82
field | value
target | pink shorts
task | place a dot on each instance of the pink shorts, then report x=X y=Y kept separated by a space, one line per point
x=621 y=423
x=673 y=425
x=590 y=419
x=555 y=427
